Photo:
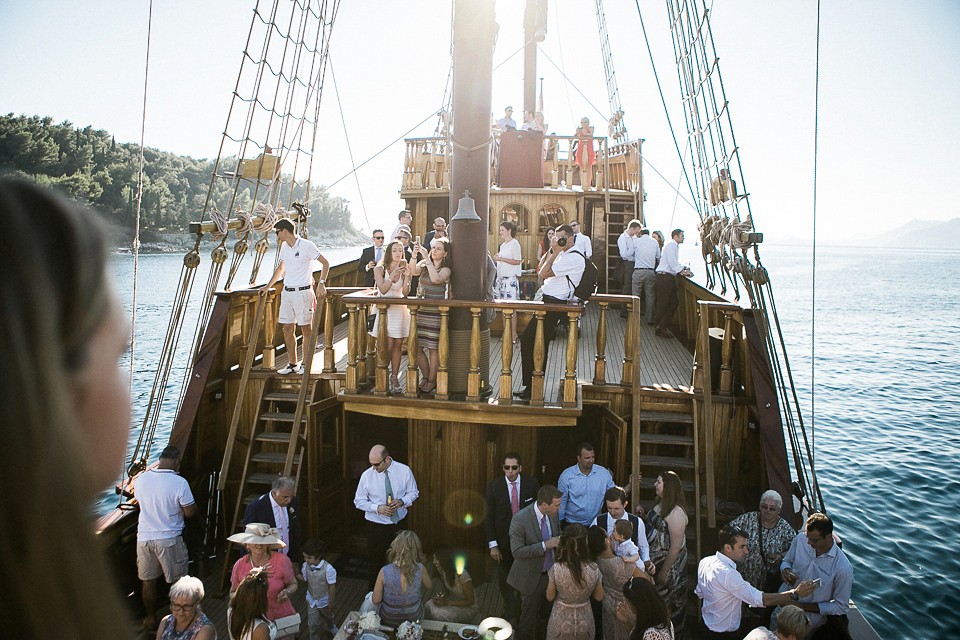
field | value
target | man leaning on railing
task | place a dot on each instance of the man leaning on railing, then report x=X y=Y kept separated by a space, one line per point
x=561 y=272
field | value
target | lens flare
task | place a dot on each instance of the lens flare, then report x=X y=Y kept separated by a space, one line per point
x=460 y=562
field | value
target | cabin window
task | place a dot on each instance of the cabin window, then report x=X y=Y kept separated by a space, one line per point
x=551 y=215
x=517 y=214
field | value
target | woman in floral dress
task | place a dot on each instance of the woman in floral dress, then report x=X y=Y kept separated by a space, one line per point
x=573 y=581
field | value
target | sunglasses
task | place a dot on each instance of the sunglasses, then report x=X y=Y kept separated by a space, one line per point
x=511 y=467
x=378 y=237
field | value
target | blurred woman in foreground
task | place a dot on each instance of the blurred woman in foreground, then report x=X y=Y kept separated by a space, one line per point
x=66 y=416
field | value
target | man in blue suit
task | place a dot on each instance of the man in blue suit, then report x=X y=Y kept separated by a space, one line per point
x=279 y=509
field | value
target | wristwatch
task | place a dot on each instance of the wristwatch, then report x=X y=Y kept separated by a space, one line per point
x=794 y=596
x=321 y=281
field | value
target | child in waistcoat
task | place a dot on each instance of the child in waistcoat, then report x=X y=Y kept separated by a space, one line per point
x=321 y=579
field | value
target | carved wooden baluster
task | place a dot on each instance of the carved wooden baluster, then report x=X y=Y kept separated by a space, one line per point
x=539 y=358
x=473 y=378
x=443 y=349
x=269 y=331
x=626 y=378
x=361 y=344
x=381 y=386
x=432 y=178
x=372 y=354
x=600 y=361
x=353 y=347
x=726 y=360
x=569 y=383
x=506 y=374
x=412 y=350
x=569 y=169
x=329 y=362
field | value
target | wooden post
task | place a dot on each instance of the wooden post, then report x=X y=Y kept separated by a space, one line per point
x=353 y=346
x=626 y=379
x=600 y=363
x=329 y=362
x=473 y=377
x=443 y=348
x=506 y=375
x=704 y=336
x=269 y=331
x=412 y=350
x=381 y=384
x=539 y=358
x=569 y=383
x=362 y=312
x=726 y=362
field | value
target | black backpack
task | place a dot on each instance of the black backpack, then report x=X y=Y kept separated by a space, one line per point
x=588 y=281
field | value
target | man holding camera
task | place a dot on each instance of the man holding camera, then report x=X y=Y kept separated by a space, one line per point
x=561 y=272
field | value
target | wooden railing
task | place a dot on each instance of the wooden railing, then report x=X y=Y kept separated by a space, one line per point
x=427 y=167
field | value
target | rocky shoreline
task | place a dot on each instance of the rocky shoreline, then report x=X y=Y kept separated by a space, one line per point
x=182 y=242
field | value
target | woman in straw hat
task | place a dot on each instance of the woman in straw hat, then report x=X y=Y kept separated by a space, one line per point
x=262 y=541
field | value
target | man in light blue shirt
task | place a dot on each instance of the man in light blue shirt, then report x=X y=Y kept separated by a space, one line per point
x=583 y=486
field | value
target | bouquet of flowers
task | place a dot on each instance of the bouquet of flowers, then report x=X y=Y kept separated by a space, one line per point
x=369 y=621
x=409 y=631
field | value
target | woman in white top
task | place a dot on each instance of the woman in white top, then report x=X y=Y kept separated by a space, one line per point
x=248 y=609
x=508 y=261
x=392 y=276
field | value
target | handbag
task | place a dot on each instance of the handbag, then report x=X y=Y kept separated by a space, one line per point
x=372 y=322
x=288 y=625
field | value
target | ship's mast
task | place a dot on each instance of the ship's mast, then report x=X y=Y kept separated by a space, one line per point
x=534 y=31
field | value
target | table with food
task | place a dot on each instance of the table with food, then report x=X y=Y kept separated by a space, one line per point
x=356 y=625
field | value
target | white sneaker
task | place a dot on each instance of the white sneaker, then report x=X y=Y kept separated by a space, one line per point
x=287 y=370
x=300 y=369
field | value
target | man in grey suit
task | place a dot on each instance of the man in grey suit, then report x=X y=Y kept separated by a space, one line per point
x=534 y=534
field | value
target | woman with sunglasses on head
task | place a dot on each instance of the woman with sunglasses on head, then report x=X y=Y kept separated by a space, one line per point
x=768 y=540
x=247 y=616
x=643 y=607
x=392 y=277
x=433 y=267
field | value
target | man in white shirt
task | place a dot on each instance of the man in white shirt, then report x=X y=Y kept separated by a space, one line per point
x=298 y=300
x=665 y=285
x=527 y=120
x=646 y=255
x=815 y=555
x=581 y=241
x=385 y=492
x=405 y=218
x=561 y=271
x=616 y=502
x=165 y=500
x=625 y=247
x=723 y=589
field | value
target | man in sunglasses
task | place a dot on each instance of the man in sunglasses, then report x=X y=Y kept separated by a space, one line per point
x=385 y=492
x=371 y=257
x=506 y=495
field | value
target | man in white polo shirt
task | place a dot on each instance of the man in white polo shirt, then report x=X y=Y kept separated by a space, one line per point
x=723 y=589
x=298 y=300
x=165 y=499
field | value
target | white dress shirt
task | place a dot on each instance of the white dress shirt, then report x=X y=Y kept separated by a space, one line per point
x=722 y=589
x=833 y=569
x=283 y=523
x=372 y=493
x=646 y=252
x=510 y=489
x=625 y=246
x=581 y=242
x=642 y=545
x=670 y=260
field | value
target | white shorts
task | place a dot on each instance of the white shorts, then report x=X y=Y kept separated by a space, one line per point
x=297 y=306
x=167 y=558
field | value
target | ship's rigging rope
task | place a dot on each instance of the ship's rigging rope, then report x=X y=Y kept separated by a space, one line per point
x=813 y=266
x=346 y=136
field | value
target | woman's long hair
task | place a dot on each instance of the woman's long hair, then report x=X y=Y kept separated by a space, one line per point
x=406 y=553
x=445 y=557
x=572 y=551
x=54 y=296
x=249 y=602
x=545 y=243
x=445 y=262
x=672 y=494
x=387 y=260
x=596 y=541
x=652 y=611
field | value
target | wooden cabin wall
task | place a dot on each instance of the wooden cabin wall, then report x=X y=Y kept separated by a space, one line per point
x=739 y=469
x=530 y=237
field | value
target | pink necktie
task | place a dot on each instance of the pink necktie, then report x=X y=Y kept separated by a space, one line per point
x=514 y=498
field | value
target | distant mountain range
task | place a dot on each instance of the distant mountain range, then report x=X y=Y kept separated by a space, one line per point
x=922 y=234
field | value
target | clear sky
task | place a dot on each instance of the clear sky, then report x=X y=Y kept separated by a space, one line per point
x=889 y=93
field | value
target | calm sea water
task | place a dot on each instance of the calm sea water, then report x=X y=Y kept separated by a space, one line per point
x=886 y=408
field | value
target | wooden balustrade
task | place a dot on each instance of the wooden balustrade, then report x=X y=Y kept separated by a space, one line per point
x=426 y=163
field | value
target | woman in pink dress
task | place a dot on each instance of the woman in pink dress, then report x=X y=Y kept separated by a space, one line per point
x=586 y=152
x=262 y=541
x=573 y=581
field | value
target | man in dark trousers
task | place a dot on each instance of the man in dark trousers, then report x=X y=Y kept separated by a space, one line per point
x=279 y=509
x=507 y=495
x=371 y=257
x=534 y=535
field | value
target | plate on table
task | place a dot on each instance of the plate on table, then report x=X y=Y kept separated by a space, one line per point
x=469 y=632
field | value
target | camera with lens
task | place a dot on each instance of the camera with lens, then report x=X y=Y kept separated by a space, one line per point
x=562 y=241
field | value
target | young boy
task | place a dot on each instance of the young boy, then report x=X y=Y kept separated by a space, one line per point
x=624 y=547
x=321 y=579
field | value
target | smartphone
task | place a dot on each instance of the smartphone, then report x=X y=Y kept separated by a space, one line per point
x=816 y=583
x=417 y=241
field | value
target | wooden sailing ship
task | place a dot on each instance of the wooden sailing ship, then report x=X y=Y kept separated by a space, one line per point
x=709 y=403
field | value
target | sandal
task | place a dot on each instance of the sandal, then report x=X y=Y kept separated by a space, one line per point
x=428 y=387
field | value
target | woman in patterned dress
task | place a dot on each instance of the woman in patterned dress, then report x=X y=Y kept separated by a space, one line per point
x=457 y=602
x=573 y=581
x=432 y=287
x=768 y=540
x=668 y=546
x=186 y=621
x=642 y=602
x=614 y=573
